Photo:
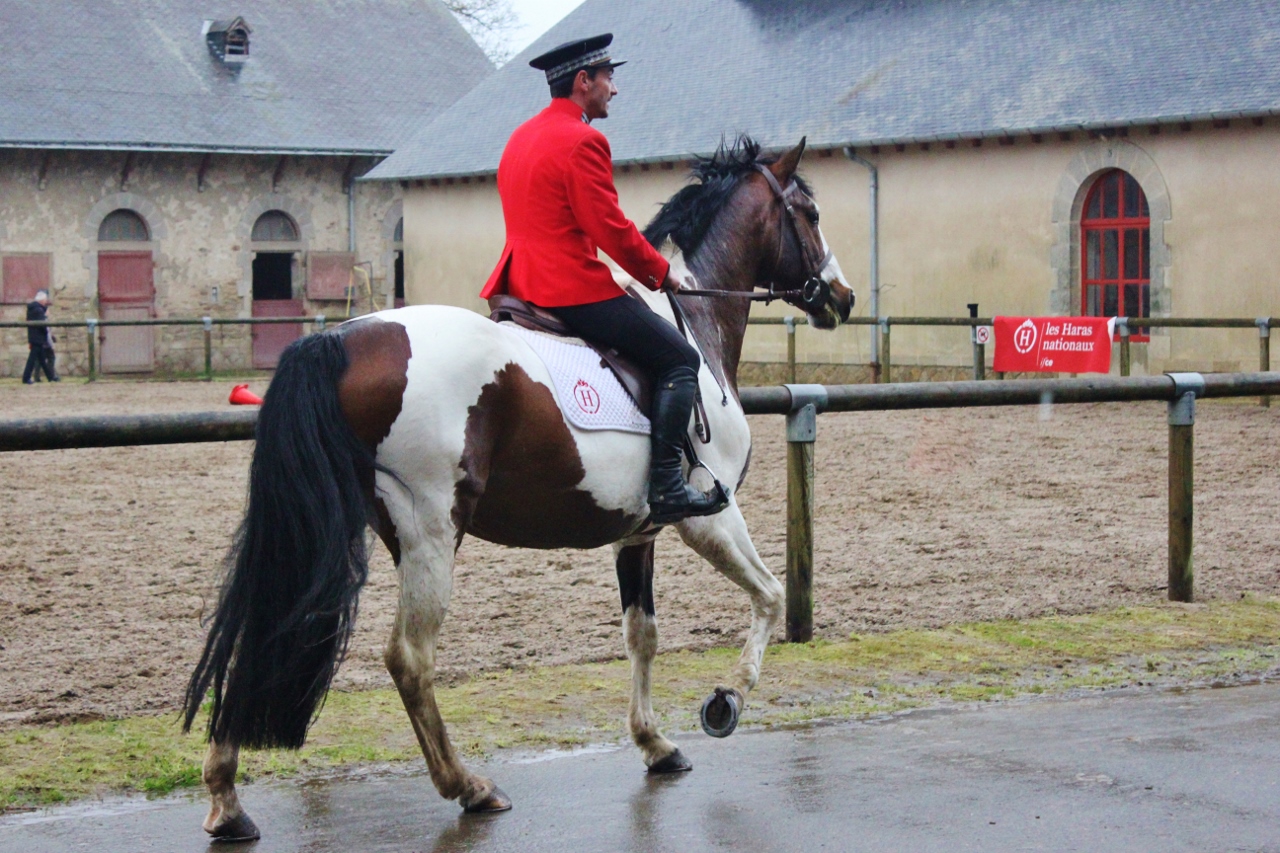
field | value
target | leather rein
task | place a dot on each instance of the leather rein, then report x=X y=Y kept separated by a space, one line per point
x=815 y=292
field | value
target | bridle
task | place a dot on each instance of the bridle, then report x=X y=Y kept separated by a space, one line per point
x=815 y=293
x=812 y=297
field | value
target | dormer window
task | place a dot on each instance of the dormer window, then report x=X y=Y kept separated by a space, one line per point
x=228 y=40
x=238 y=42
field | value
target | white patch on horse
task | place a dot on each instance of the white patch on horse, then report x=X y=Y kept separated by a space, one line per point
x=832 y=273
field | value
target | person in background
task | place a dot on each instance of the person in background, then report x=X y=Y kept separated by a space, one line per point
x=40 y=341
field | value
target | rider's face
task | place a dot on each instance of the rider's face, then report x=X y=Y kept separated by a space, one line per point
x=599 y=92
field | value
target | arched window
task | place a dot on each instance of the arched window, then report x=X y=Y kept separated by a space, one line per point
x=123 y=226
x=274 y=226
x=398 y=237
x=1116 y=241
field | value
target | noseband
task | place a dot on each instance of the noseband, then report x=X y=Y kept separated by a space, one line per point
x=815 y=293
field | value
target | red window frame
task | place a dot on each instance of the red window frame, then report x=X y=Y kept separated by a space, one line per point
x=1115 y=250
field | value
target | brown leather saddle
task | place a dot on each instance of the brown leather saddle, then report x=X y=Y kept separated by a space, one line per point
x=504 y=308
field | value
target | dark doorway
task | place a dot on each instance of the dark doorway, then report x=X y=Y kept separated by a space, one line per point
x=273 y=275
x=399 y=303
x=273 y=297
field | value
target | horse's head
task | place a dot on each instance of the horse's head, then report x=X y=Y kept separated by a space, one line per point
x=748 y=222
x=803 y=266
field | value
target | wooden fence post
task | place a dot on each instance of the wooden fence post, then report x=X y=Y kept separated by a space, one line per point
x=92 y=325
x=1264 y=353
x=1126 y=363
x=790 y=323
x=886 y=369
x=1182 y=419
x=802 y=429
x=979 y=350
x=208 y=349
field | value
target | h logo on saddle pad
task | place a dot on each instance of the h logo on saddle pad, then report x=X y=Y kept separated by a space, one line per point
x=589 y=394
x=588 y=399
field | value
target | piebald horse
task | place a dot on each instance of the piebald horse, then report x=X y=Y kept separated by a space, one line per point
x=429 y=423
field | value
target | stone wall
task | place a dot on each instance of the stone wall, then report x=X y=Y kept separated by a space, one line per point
x=200 y=210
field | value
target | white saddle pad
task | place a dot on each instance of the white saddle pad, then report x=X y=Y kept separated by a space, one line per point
x=590 y=396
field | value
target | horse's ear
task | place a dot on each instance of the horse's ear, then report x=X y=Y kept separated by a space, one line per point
x=785 y=168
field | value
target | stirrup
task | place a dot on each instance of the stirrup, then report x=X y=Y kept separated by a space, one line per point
x=663 y=513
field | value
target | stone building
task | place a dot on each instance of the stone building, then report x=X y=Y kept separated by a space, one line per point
x=1106 y=157
x=169 y=159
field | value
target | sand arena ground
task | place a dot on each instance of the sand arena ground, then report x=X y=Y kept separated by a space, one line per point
x=109 y=558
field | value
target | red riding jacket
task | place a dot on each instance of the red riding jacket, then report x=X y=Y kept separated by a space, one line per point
x=560 y=206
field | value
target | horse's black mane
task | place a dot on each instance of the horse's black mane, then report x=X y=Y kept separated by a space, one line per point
x=688 y=214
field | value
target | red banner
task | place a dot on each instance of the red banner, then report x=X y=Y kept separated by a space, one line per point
x=1053 y=344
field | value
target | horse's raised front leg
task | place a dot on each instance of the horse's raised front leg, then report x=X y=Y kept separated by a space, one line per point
x=640 y=633
x=426 y=581
x=723 y=541
x=227 y=821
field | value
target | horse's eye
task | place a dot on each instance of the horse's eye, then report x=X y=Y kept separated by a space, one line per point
x=813 y=217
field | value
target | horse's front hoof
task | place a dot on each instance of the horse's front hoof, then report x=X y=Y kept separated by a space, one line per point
x=239 y=828
x=673 y=763
x=495 y=802
x=720 y=713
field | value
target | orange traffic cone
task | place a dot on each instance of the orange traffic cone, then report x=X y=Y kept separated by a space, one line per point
x=242 y=396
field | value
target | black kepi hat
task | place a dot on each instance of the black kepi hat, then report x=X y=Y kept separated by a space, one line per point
x=571 y=56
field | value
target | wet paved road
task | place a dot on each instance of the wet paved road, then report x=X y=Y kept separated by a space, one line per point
x=1195 y=771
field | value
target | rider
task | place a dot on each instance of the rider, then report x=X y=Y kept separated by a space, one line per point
x=560 y=206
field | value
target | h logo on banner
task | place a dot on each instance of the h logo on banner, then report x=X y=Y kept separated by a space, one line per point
x=1024 y=337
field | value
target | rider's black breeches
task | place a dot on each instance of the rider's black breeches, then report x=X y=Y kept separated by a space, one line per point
x=633 y=329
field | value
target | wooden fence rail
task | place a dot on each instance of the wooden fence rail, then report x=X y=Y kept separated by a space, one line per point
x=92 y=324
x=883 y=370
x=801 y=404
x=1124 y=325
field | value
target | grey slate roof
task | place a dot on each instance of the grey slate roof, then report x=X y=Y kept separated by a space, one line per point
x=322 y=75
x=878 y=71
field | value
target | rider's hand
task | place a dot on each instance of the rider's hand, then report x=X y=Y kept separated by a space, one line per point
x=675 y=284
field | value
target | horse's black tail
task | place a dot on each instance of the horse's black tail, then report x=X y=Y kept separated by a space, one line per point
x=297 y=563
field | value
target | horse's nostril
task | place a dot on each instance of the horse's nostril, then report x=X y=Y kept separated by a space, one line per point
x=846 y=308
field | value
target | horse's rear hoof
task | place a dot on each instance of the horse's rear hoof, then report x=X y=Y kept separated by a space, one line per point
x=495 y=802
x=720 y=713
x=673 y=763
x=239 y=828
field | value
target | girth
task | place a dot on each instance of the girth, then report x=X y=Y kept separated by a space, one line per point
x=505 y=308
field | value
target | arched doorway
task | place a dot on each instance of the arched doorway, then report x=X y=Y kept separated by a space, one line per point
x=275 y=242
x=126 y=291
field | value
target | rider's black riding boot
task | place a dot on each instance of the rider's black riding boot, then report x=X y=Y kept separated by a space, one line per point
x=670 y=497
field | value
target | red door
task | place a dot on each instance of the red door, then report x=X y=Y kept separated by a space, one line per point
x=126 y=291
x=270 y=339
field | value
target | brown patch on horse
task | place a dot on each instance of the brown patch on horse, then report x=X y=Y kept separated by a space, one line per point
x=521 y=473
x=386 y=529
x=733 y=258
x=371 y=394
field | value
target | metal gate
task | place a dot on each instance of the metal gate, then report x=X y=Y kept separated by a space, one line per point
x=270 y=339
x=126 y=291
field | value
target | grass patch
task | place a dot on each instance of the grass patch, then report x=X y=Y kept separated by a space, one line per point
x=572 y=705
